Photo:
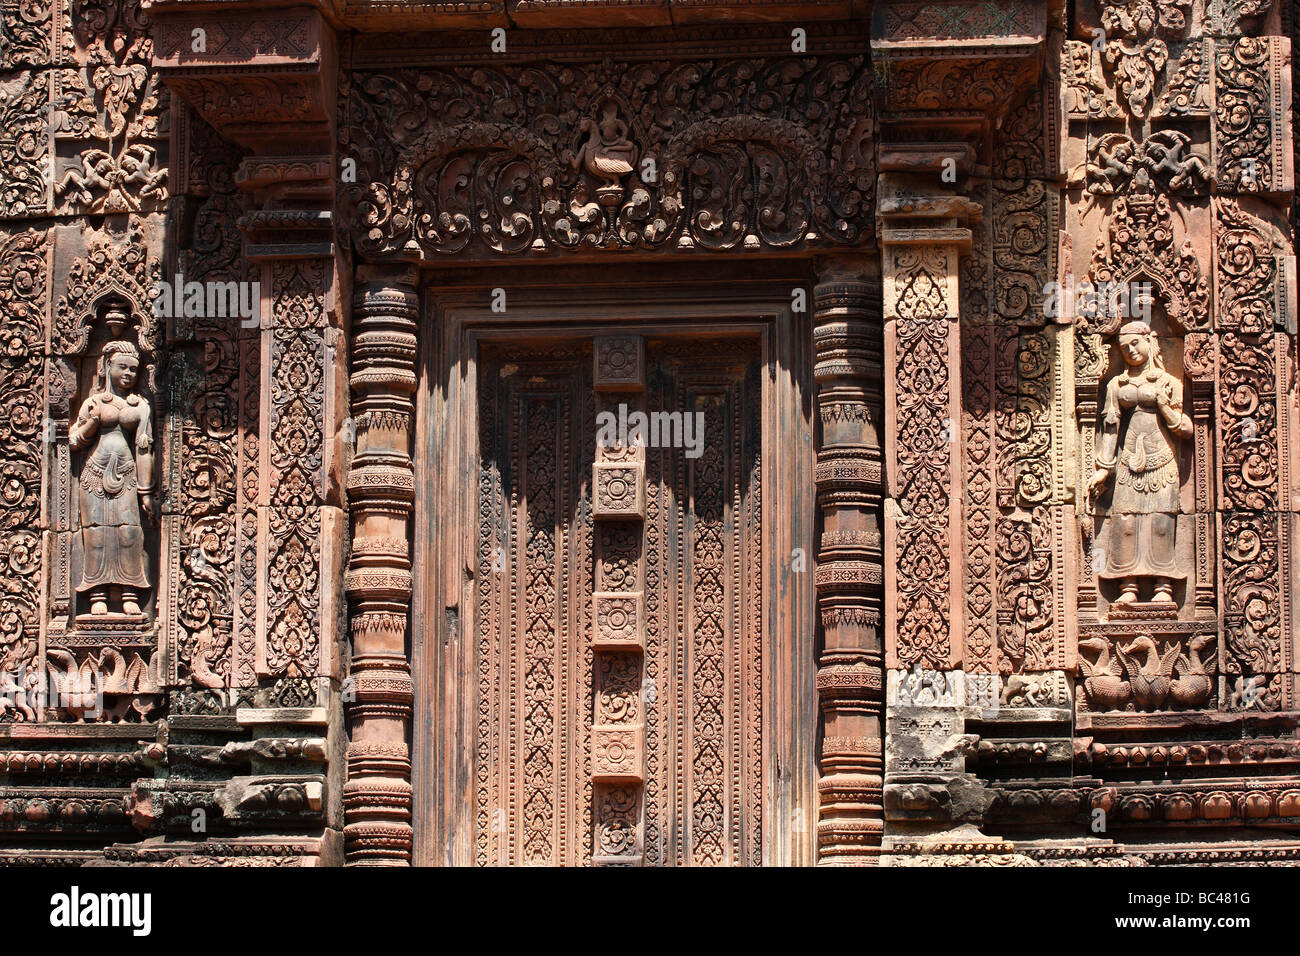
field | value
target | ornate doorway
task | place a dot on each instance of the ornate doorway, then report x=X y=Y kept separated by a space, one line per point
x=622 y=643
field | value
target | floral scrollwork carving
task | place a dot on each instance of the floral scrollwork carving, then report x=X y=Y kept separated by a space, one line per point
x=1248 y=433
x=1228 y=17
x=24 y=150
x=1247 y=257
x=923 y=358
x=22 y=284
x=22 y=435
x=1244 y=121
x=532 y=160
x=20 y=543
x=1024 y=560
x=1137 y=55
x=1252 y=625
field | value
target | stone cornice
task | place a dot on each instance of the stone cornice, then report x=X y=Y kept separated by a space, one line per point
x=956 y=55
x=262 y=75
x=379 y=16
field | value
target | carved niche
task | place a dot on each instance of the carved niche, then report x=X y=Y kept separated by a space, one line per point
x=658 y=153
x=1184 y=100
x=1143 y=478
x=101 y=637
x=1144 y=277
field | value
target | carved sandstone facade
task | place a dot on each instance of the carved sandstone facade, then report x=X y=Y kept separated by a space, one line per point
x=664 y=433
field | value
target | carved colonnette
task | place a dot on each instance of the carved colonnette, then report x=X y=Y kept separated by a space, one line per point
x=849 y=372
x=381 y=490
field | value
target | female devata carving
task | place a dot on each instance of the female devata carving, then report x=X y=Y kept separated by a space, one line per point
x=1142 y=423
x=116 y=481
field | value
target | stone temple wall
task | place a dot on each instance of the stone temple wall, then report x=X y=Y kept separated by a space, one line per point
x=197 y=698
x=1093 y=641
x=1046 y=253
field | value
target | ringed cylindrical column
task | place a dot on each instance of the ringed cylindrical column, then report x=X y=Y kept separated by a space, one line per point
x=381 y=490
x=848 y=368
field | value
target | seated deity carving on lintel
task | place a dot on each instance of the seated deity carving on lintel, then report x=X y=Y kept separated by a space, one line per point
x=606 y=152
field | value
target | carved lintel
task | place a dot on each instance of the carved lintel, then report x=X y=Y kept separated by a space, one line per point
x=583 y=166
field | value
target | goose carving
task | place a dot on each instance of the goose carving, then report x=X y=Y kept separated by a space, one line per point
x=1150 y=678
x=1104 y=682
x=1192 y=686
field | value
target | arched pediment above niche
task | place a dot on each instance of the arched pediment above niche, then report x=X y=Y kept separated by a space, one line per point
x=1140 y=247
x=115 y=268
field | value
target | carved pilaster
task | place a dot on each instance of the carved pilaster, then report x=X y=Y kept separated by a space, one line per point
x=923 y=514
x=849 y=577
x=381 y=489
x=264 y=78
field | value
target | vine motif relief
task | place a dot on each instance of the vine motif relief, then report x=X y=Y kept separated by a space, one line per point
x=719 y=155
x=923 y=456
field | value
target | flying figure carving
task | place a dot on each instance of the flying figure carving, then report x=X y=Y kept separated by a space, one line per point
x=96 y=169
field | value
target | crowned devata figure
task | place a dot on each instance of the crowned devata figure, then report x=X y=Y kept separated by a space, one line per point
x=116 y=482
x=1142 y=424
